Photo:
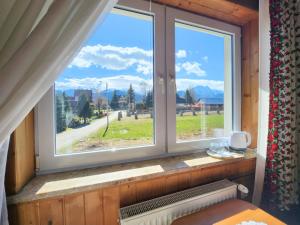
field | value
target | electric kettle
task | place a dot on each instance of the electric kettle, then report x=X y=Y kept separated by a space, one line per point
x=239 y=140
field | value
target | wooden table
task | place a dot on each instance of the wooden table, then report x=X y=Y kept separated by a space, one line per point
x=230 y=212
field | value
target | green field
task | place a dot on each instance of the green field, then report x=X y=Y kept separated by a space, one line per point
x=189 y=126
x=129 y=132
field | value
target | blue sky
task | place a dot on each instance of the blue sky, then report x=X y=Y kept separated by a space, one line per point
x=120 y=51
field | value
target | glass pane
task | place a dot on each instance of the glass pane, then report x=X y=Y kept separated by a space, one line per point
x=200 y=70
x=104 y=98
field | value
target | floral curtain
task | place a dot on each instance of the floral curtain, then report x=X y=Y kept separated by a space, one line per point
x=281 y=179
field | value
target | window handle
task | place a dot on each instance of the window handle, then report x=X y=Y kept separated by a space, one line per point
x=161 y=82
x=172 y=82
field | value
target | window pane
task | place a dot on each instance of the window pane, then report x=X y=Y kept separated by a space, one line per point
x=200 y=72
x=104 y=98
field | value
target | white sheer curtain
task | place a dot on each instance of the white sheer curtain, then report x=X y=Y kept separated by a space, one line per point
x=3 y=155
x=37 y=40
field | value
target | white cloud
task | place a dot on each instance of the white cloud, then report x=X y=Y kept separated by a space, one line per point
x=114 y=58
x=122 y=82
x=177 y=67
x=144 y=67
x=181 y=53
x=192 y=68
x=205 y=58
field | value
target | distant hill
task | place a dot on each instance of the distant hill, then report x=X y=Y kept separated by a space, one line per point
x=200 y=92
x=109 y=93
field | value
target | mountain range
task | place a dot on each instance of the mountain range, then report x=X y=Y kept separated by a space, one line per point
x=198 y=92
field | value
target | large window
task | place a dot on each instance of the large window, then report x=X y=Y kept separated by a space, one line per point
x=143 y=84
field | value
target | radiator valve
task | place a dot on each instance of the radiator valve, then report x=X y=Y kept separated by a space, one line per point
x=243 y=191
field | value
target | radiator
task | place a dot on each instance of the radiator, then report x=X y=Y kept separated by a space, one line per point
x=164 y=210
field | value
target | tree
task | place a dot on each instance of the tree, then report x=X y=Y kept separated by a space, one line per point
x=67 y=109
x=60 y=115
x=67 y=106
x=84 y=108
x=149 y=100
x=98 y=105
x=114 y=104
x=130 y=97
x=188 y=97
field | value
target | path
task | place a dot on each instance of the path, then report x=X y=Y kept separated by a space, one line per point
x=66 y=138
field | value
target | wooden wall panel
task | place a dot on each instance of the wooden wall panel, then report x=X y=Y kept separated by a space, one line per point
x=250 y=79
x=171 y=184
x=157 y=187
x=27 y=214
x=74 y=210
x=218 y=9
x=94 y=208
x=127 y=194
x=184 y=181
x=101 y=207
x=13 y=214
x=111 y=205
x=51 y=212
x=21 y=159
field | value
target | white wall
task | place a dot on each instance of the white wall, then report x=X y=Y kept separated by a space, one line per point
x=264 y=67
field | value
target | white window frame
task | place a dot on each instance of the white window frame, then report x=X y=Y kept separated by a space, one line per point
x=164 y=97
x=49 y=161
x=232 y=80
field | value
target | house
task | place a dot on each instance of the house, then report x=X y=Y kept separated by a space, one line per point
x=209 y=104
x=87 y=93
x=213 y=87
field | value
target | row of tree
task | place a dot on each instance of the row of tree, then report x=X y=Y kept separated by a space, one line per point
x=147 y=101
x=189 y=97
x=68 y=117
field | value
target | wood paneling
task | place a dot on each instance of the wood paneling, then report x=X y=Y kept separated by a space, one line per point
x=101 y=207
x=94 y=208
x=51 y=212
x=218 y=9
x=27 y=214
x=74 y=210
x=111 y=201
x=128 y=194
x=250 y=79
x=21 y=159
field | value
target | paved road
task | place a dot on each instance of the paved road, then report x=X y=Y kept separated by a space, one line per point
x=66 y=138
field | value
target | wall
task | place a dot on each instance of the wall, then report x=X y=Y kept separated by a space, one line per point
x=103 y=204
x=264 y=67
x=101 y=207
x=20 y=160
x=250 y=78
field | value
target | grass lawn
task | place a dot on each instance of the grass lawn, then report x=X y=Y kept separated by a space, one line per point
x=189 y=126
x=129 y=131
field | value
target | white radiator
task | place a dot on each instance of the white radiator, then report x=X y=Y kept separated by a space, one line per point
x=164 y=210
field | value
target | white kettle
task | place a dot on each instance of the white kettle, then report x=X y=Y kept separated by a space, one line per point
x=239 y=140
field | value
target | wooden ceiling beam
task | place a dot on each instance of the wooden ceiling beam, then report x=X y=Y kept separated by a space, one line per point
x=224 y=10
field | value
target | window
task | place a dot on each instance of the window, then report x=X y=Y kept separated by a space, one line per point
x=199 y=83
x=105 y=95
x=145 y=83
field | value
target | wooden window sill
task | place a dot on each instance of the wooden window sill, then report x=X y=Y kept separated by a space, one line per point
x=65 y=183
